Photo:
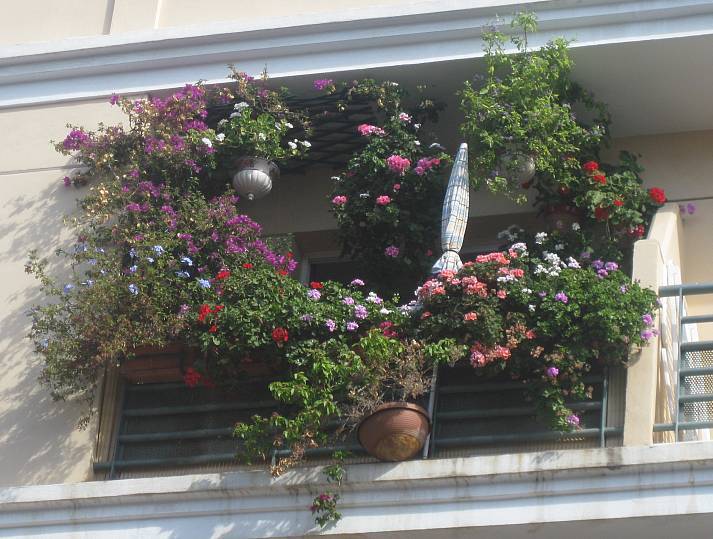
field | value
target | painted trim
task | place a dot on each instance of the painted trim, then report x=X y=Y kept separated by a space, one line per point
x=505 y=490
x=356 y=39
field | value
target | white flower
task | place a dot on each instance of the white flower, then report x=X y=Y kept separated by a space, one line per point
x=207 y=142
x=394 y=84
x=262 y=136
x=292 y=145
x=306 y=143
x=531 y=308
x=363 y=195
x=336 y=179
x=527 y=291
x=540 y=238
x=417 y=126
x=220 y=137
x=576 y=227
x=289 y=125
x=437 y=146
x=241 y=105
x=234 y=114
x=224 y=121
x=519 y=247
x=572 y=263
x=559 y=247
x=417 y=142
x=384 y=310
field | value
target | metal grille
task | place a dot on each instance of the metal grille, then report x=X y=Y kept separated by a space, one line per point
x=694 y=383
x=171 y=426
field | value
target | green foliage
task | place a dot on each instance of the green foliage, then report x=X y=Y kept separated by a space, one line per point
x=389 y=217
x=523 y=106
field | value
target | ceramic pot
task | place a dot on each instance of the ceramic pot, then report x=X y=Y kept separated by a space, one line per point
x=517 y=166
x=254 y=176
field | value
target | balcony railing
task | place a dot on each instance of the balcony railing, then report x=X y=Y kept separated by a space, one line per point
x=169 y=426
x=693 y=361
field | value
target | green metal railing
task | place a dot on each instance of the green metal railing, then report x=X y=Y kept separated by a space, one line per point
x=694 y=366
x=170 y=426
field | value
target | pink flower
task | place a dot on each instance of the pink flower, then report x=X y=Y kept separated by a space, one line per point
x=398 y=164
x=339 y=200
x=469 y=317
x=392 y=251
x=502 y=294
x=321 y=84
x=404 y=117
x=366 y=129
x=383 y=200
x=397 y=186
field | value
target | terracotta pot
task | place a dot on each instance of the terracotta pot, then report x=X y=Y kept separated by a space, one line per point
x=395 y=431
x=562 y=217
x=153 y=365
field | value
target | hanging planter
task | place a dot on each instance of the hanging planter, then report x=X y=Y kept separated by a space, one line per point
x=254 y=177
x=395 y=431
x=153 y=365
x=516 y=165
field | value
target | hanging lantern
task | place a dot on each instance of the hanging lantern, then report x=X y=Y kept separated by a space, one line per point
x=254 y=177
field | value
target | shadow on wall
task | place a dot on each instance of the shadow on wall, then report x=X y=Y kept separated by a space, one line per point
x=38 y=439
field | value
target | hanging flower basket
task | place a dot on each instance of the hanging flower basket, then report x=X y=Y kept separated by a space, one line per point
x=153 y=365
x=254 y=176
x=395 y=431
x=517 y=166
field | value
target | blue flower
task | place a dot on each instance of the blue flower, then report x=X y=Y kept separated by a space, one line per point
x=80 y=248
x=92 y=261
x=132 y=252
x=133 y=268
x=187 y=261
x=88 y=282
x=158 y=250
x=99 y=250
x=68 y=288
x=150 y=259
x=133 y=289
x=183 y=274
x=203 y=283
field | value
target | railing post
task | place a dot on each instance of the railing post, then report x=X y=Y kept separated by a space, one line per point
x=642 y=374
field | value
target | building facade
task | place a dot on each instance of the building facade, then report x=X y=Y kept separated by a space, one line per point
x=649 y=60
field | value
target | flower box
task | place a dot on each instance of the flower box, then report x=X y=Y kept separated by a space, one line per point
x=153 y=365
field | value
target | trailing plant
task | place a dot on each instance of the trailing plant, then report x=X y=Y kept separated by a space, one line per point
x=539 y=318
x=388 y=200
x=524 y=107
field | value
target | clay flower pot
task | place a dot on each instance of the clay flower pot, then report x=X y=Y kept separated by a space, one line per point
x=254 y=176
x=153 y=365
x=562 y=217
x=395 y=431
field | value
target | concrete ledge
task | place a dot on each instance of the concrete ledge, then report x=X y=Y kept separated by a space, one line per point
x=506 y=490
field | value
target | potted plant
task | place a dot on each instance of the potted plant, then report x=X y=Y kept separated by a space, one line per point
x=540 y=317
x=519 y=117
x=259 y=132
x=387 y=202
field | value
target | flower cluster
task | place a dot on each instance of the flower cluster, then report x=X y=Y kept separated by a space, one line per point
x=542 y=319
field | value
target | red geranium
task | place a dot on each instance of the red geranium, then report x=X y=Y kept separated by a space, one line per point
x=601 y=214
x=248 y=265
x=618 y=203
x=223 y=274
x=191 y=377
x=203 y=312
x=280 y=335
x=590 y=166
x=657 y=195
x=316 y=285
x=600 y=178
x=213 y=329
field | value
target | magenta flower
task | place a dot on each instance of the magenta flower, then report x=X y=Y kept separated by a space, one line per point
x=352 y=326
x=321 y=84
x=648 y=319
x=339 y=200
x=561 y=296
x=357 y=282
x=573 y=420
x=114 y=99
x=331 y=325
x=552 y=372
x=366 y=129
x=383 y=200
x=392 y=251
x=67 y=181
x=398 y=164
x=314 y=294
